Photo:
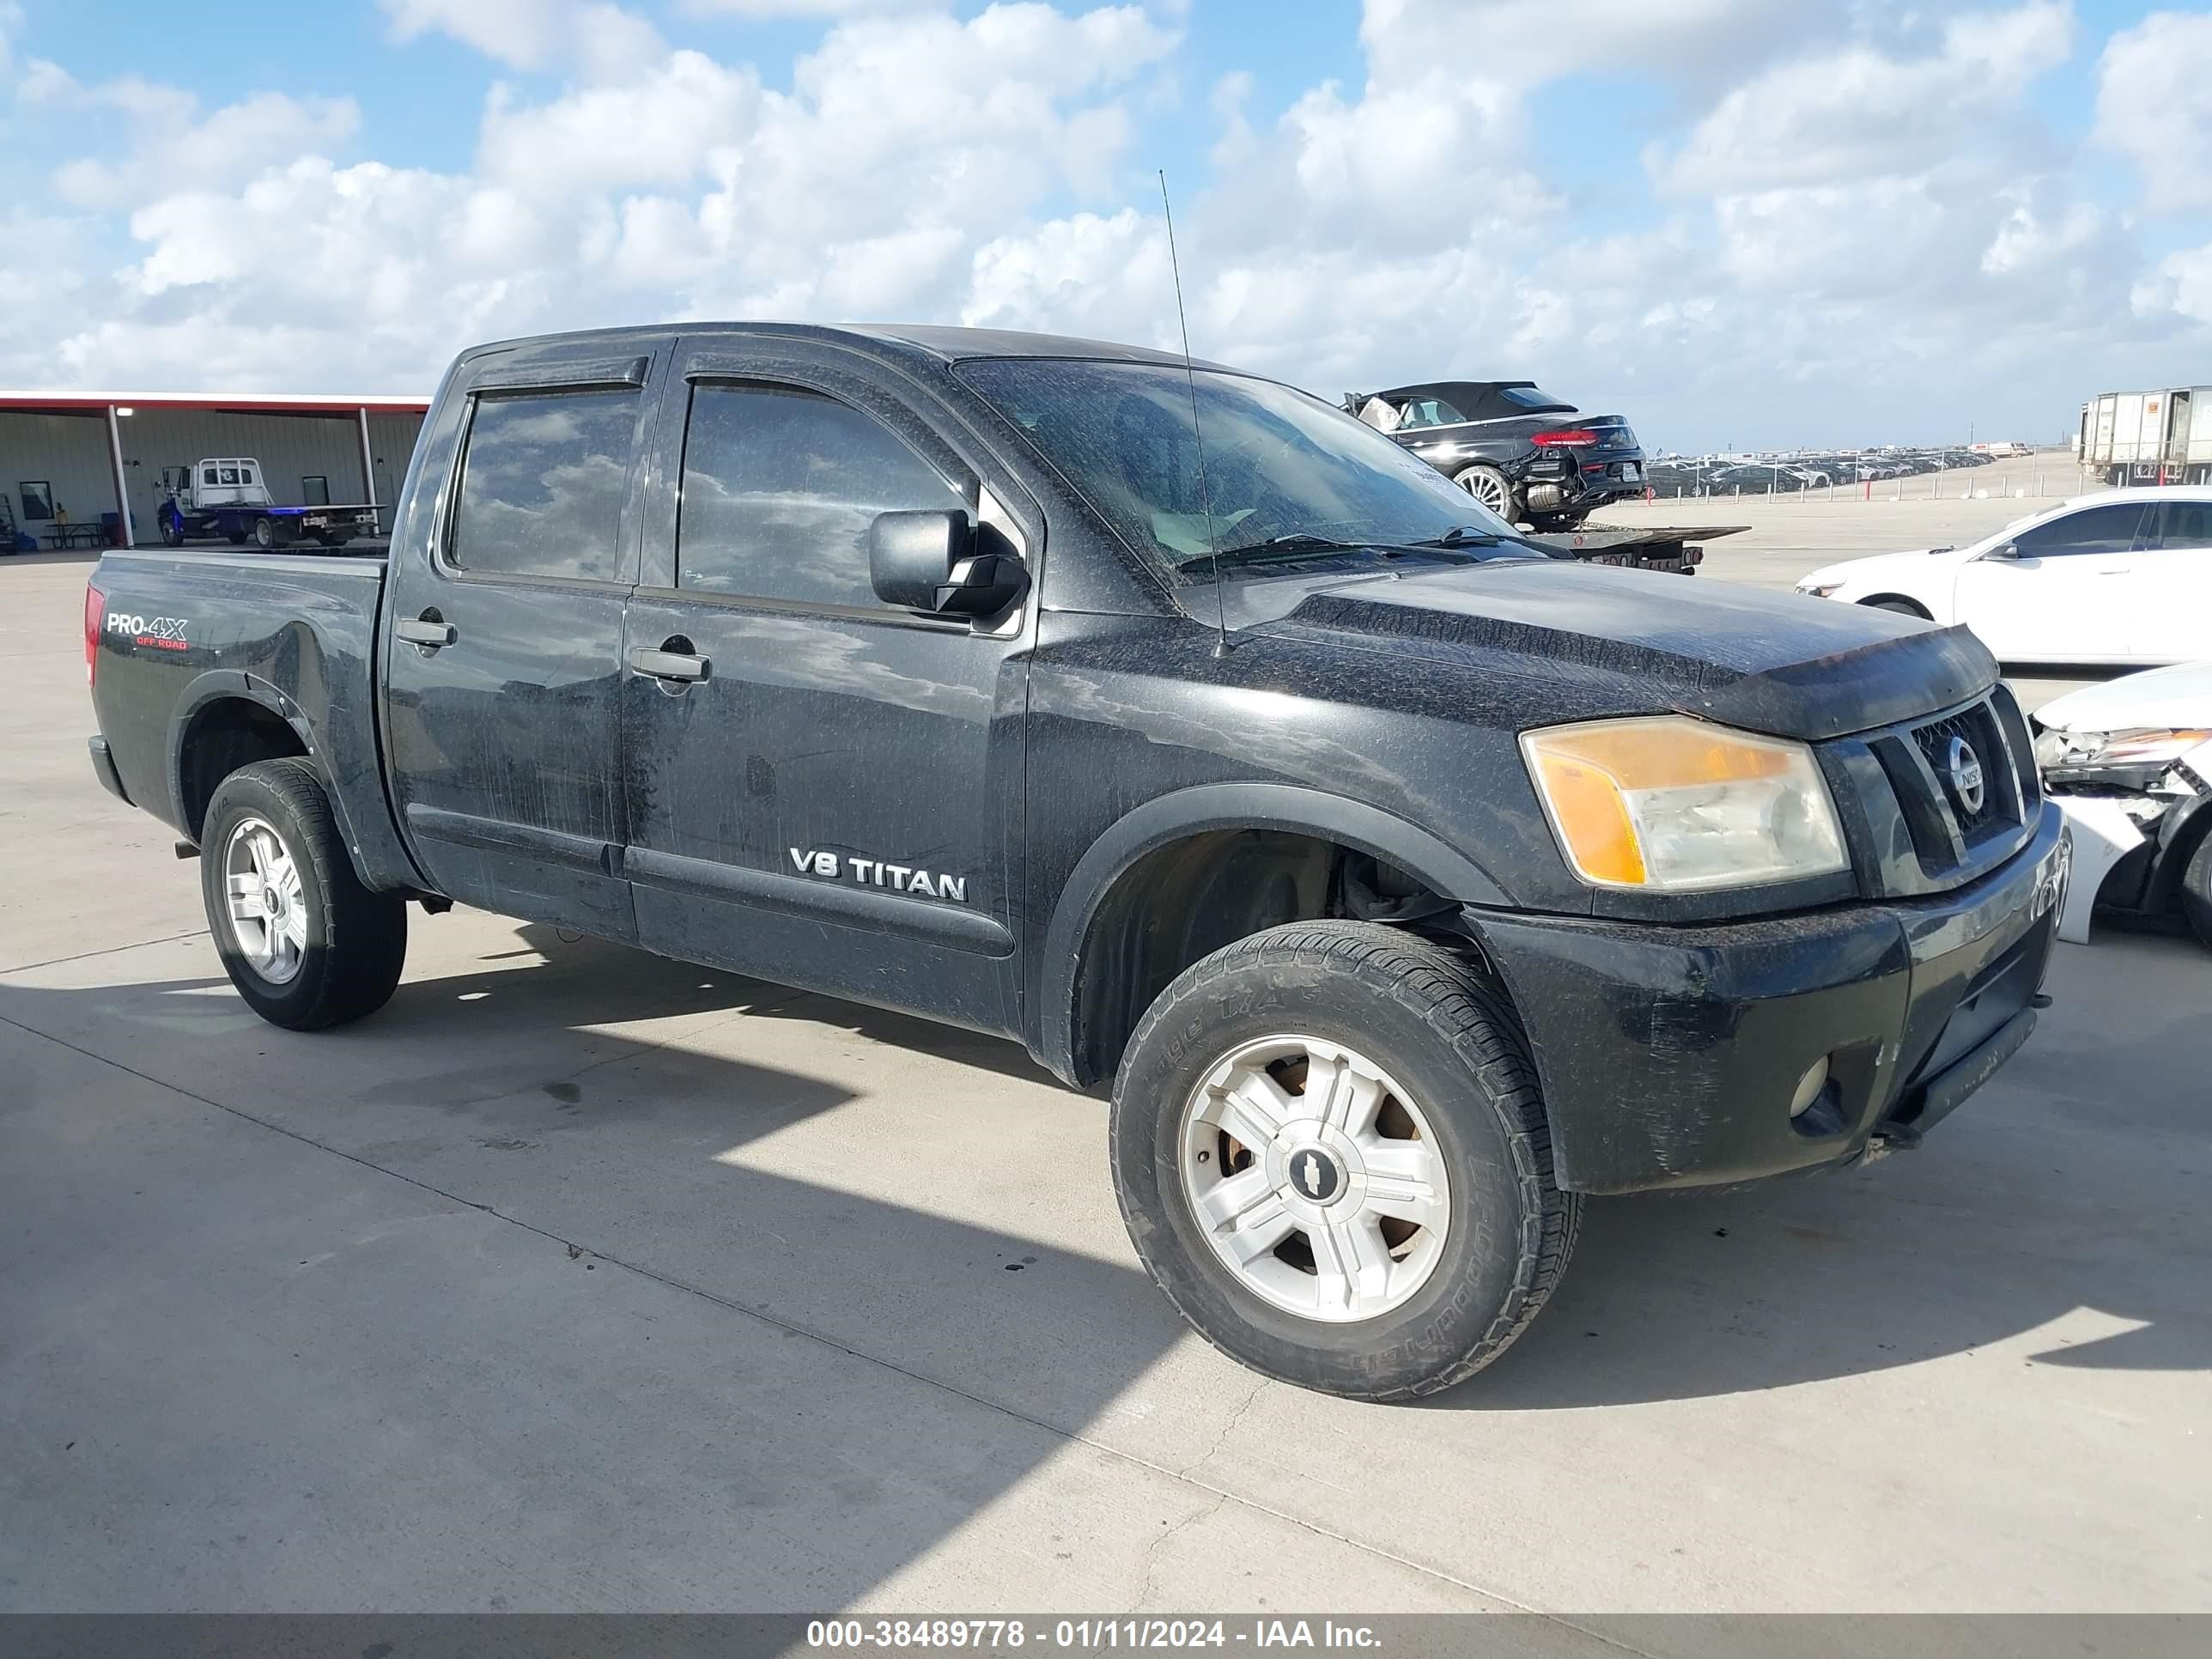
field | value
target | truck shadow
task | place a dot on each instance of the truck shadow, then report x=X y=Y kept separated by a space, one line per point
x=795 y=1460
x=2027 y=1223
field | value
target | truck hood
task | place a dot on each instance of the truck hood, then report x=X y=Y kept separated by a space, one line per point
x=2176 y=699
x=1764 y=661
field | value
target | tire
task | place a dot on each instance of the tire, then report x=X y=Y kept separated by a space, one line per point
x=264 y=534
x=173 y=533
x=237 y=538
x=2197 y=892
x=1451 y=1047
x=342 y=959
x=1493 y=488
x=1902 y=607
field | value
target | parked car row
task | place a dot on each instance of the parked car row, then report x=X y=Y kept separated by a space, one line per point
x=1781 y=475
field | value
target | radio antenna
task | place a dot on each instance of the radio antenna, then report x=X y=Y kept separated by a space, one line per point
x=1190 y=378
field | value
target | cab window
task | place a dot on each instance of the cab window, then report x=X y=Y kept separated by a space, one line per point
x=780 y=486
x=543 y=478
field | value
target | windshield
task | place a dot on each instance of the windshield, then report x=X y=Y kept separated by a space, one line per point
x=1281 y=469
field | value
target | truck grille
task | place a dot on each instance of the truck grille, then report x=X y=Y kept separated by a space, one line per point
x=1960 y=791
x=1974 y=809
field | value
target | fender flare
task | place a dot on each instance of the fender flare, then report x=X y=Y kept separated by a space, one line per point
x=234 y=685
x=1204 y=807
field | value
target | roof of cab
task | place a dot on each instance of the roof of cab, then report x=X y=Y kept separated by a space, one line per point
x=945 y=344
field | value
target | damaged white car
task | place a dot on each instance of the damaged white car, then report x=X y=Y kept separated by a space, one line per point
x=2129 y=763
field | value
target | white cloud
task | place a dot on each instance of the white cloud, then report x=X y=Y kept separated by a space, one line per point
x=1858 y=198
x=2179 y=288
x=656 y=130
x=766 y=10
x=1830 y=118
x=169 y=139
x=2154 y=105
x=520 y=33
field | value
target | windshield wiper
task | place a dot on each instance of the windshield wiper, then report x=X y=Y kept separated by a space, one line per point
x=1298 y=544
x=1461 y=535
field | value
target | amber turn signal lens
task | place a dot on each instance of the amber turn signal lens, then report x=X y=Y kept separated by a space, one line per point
x=1672 y=803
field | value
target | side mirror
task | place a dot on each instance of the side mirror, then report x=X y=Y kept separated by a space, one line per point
x=2003 y=550
x=939 y=563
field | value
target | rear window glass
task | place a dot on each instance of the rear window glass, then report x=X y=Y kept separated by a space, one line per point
x=542 y=484
x=1529 y=397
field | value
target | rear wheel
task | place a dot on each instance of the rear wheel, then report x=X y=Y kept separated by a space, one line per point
x=304 y=943
x=1493 y=488
x=1331 y=1153
x=264 y=533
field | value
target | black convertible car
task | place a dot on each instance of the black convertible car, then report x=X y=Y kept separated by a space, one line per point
x=1520 y=451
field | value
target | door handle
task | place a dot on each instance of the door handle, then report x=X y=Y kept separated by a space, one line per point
x=665 y=664
x=426 y=629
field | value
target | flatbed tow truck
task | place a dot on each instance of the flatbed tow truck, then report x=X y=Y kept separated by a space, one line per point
x=1658 y=547
x=227 y=495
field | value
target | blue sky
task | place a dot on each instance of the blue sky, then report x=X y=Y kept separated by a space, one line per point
x=1747 y=221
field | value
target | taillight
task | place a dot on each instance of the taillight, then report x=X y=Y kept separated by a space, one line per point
x=96 y=612
x=1573 y=435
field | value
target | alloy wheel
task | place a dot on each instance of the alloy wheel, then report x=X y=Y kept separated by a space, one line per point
x=267 y=911
x=1315 y=1178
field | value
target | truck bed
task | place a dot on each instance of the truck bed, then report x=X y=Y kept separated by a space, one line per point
x=190 y=636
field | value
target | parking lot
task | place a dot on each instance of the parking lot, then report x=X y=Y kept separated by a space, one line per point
x=579 y=1279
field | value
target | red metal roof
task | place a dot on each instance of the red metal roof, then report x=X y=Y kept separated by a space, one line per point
x=250 y=403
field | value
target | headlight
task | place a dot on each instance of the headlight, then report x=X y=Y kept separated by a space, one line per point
x=1818 y=590
x=2143 y=746
x=1674 y=804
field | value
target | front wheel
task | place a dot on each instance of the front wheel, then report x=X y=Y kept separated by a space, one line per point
x=172 y=531
x=1330 y=1152
x=304 y=943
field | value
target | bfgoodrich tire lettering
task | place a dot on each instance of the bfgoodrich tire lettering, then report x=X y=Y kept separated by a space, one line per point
x=355 y=940
x=1448 y=1038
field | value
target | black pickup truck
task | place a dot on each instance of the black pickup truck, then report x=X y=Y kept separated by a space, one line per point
x=1406 y=881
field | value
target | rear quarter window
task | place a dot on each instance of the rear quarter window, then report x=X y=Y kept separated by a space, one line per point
x=543 y=478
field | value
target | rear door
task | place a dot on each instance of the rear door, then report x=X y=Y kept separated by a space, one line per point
x=504 y=629
x=2172 y=620
x=827 y=790
x=2070 y=596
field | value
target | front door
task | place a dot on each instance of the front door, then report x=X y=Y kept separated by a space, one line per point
x=826 y=789
x=504 y=640
x=2069 y=596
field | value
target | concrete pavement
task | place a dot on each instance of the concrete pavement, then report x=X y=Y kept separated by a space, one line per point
x=579 y=1279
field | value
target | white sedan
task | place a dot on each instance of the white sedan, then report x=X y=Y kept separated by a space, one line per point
x=2112 y=578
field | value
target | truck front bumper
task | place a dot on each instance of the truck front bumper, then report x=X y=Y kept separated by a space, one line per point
x=1673 y=1056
